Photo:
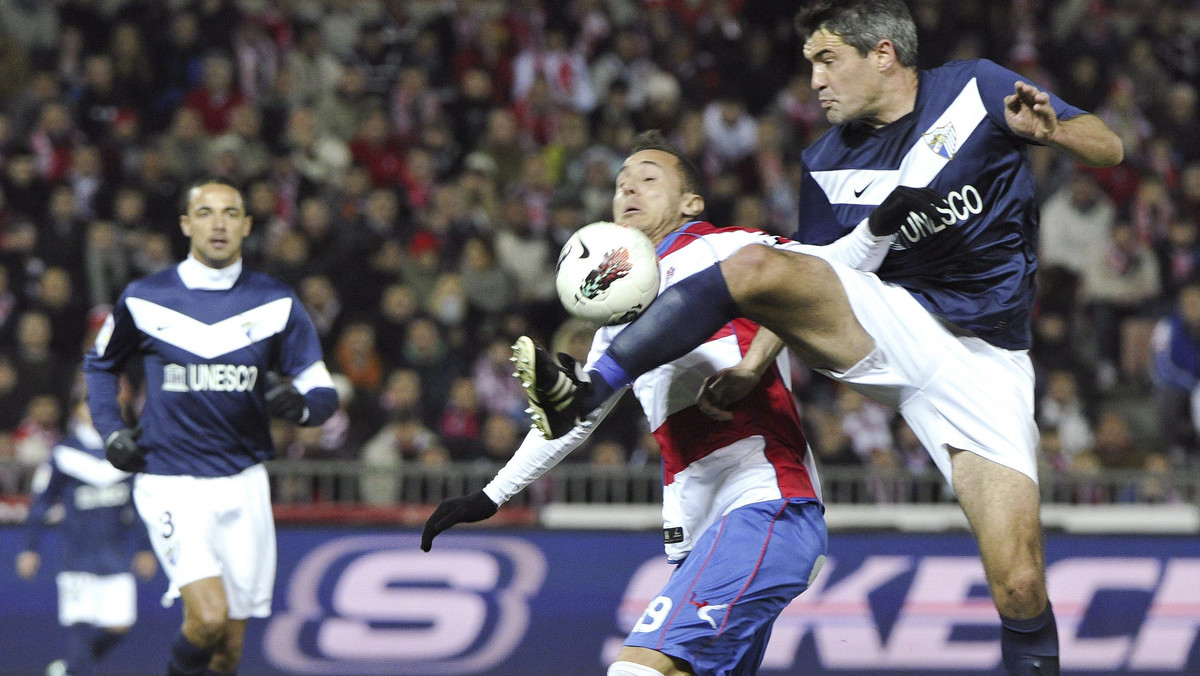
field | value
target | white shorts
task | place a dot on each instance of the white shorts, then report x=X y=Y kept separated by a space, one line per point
x=204 y=527
x=953 y=390
x=100 y=600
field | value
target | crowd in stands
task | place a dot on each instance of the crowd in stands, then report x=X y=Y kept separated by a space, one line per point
x=413 y=166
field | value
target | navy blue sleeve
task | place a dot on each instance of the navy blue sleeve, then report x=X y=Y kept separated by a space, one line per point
x=996 y=82
x=102 y=366
x=48 y=485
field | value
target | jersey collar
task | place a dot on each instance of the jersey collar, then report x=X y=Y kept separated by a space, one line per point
x=665 y=245
x=197 y=275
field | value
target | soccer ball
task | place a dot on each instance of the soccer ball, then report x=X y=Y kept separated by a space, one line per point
x=607 y=273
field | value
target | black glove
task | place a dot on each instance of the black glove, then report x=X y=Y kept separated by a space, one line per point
x=285 y=401
x=889 y=217
x=468 y=509
x=121 y=449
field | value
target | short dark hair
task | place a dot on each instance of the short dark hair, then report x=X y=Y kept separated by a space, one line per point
x=862 y=24
x=653 y=139
x=186 y=195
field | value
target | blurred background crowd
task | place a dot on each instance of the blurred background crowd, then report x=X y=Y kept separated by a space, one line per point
x=413 y=166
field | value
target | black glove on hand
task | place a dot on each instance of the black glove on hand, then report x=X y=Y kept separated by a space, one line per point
x=468 y=509
x=285 y=401
x=121 y=449
x=889 y=217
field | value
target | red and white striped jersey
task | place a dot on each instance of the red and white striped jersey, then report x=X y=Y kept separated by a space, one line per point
x=711 y=467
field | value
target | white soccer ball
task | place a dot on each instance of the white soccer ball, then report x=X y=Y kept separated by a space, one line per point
x=607 y=273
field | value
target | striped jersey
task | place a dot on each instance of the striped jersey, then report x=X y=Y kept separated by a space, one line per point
x=99 y=527
x=975 y=266
x=709 y=467
x=207 y=339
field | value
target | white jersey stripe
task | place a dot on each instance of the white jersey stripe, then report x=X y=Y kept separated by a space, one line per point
x=210 y=340
x=316 y=375
x=86 y=467
x=932 y=151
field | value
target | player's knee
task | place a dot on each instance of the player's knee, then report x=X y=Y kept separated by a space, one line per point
x=205 y=630
x=752 y=272
x=1021 y=590
x=631 y=669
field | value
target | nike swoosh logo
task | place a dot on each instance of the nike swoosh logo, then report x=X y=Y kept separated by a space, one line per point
x=585 y=253
x=858 y=193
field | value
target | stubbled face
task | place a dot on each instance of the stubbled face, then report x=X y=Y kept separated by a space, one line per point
x=848 y=85
x=650 y=195
x=216 y=223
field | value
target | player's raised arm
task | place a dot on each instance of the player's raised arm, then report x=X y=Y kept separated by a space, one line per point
x=1085 y=138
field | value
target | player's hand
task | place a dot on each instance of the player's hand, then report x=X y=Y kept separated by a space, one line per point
x=905 y=202
x=27 y=564
x=121 y=449
x=285 y=401
x=723 y=389
x=468 y=509
x=1029 y=113
x=145 y=564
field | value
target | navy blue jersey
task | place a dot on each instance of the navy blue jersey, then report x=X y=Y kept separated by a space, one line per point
x=99 y=527
x=975 y=266
x=207 y=338
x=1176 y=354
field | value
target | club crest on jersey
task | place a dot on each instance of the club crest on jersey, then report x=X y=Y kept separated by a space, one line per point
x=942 y=140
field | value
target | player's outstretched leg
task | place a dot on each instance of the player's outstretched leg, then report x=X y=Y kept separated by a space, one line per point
x=1002 y=504
x=555 y=393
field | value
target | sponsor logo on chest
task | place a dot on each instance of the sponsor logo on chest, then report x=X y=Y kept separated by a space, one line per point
x=209 y=377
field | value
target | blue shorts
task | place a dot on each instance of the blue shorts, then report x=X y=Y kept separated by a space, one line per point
x=717 y=609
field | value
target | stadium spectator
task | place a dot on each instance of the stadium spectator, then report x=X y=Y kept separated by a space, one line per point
x=322 y=302
x=357 y=358
x=243 y=139
x=185 y=146
x=1119 y=284
x=34 y=25
x=1178 y=256
x=341 y=110
x=1176 y=346
x=1075 y=221
x=402 y=440
x=312 y=69
x=65 y=308
x=1062 y=409
x=461 y=422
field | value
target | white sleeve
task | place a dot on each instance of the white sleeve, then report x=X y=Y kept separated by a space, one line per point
x=858 y=248
x=536 y=455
